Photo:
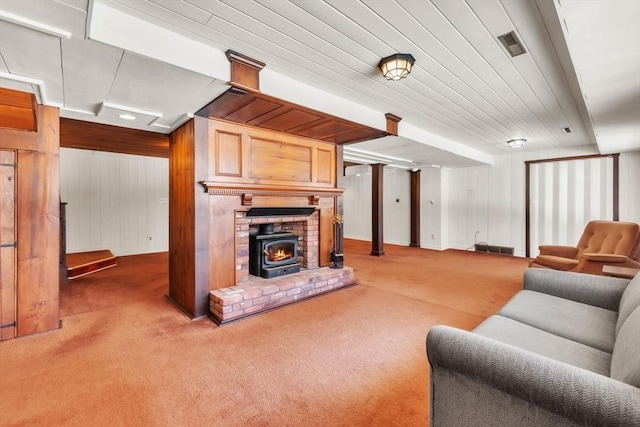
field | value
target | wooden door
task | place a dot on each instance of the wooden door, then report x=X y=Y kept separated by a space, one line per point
x=7 y=245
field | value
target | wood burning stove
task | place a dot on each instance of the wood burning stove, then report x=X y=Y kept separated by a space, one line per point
x=273 y=254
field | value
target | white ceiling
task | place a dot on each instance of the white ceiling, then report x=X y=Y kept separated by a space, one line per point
x=162 y=60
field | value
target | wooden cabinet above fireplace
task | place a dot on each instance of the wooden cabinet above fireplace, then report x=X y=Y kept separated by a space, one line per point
x=252 y=156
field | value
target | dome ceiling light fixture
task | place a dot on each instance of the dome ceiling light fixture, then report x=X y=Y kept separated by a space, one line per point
x=514 y=143
x=397 y=66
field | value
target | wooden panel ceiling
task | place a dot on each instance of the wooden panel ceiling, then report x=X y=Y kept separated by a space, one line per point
x=256 y=109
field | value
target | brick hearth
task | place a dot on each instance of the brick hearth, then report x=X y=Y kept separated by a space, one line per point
x=257 y=294
x=253 y=294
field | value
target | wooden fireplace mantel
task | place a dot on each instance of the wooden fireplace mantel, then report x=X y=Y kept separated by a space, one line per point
x=247 y=193
x=234 y=168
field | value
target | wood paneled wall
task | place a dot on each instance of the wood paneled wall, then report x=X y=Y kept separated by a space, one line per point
x=7 y=238
x=217 y=168
x=38 y=223
x=248 y=155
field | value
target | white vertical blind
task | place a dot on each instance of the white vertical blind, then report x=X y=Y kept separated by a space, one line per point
x=565 y=195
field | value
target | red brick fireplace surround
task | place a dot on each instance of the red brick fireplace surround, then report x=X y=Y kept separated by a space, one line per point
x=253 y=294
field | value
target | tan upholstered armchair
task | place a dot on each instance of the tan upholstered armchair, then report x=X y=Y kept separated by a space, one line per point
x=602 y=243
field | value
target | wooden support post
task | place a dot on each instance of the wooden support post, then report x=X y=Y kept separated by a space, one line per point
x=377 y=202
x=339 y=204
x=415 y=209
x=189 y=219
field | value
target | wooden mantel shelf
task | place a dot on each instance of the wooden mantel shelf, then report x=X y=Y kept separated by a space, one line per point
x=217 y=188
x=247 y=193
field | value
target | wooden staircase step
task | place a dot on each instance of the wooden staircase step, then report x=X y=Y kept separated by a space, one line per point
x=83 y=263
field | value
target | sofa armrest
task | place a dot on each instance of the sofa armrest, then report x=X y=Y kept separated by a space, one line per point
x=593 y=263
x=599 y=291
x=558 y=250
x=610 y=258
x=572 y=393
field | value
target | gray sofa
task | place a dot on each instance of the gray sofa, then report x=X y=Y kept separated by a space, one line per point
x=565 y=350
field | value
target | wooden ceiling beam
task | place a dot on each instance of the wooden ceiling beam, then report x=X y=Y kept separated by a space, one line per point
x=114 y=139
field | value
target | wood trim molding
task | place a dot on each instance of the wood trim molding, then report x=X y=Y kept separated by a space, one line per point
x=247 y=193
x=15 y=139
x=562 y=159
x=616 y=186
x=392 y=123
x=245 y=71
x=527 y=189
x=527 y=212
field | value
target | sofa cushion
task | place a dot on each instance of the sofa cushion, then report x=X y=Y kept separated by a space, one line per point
x=586 y=324
x=629 y=301
x=599 y=291
x=537 y=341
x=625 y=360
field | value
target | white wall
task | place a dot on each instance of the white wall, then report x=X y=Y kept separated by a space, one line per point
x=434 y=205
x=630 y=186
x=357 y=204
x=397 y=206
x=115 y=201
x=489 y=200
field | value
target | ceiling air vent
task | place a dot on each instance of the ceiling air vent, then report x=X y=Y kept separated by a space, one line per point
x=512 y=43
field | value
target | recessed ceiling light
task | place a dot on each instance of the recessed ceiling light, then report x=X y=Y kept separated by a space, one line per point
x=127 y=116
